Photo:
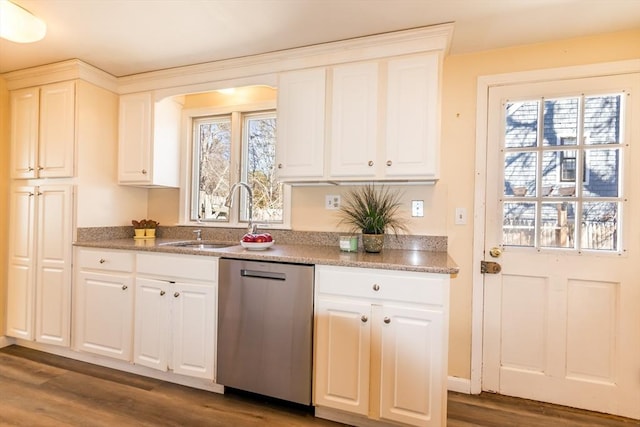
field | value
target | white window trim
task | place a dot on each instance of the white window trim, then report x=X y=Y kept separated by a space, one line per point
x=188 y=116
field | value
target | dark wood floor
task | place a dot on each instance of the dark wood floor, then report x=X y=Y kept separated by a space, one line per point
x=39 y=389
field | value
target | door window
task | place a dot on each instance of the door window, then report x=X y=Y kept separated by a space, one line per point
x=562 y=177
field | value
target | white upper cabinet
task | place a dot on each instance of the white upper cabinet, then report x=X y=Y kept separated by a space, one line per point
x=301 y=122
x=382 y=121
x=43 y=123
x=149 y=141
x=412 y=142
x=354 y=121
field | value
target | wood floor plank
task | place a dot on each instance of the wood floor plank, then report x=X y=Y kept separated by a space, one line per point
x=41 y=389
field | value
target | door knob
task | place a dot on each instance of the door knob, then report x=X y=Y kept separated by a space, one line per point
x=495 y=252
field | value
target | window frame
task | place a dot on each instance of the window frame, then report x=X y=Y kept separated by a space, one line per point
x=189 y=116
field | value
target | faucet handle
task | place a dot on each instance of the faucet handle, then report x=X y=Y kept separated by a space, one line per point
x=198 y=234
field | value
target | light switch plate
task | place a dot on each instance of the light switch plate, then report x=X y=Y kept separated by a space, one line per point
x=461 y=216
x=331 y=202
x=417 y=208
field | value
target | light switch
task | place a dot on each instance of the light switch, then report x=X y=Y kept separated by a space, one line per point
x=461 y=216
x=417 y=208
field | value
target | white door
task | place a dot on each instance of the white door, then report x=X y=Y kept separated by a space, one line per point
x=562 y=318
x=57 y=130
x=152 y=334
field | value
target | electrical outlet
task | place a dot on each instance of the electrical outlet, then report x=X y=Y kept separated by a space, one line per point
x=332 y=202
x=417 y=208
x=461 y=216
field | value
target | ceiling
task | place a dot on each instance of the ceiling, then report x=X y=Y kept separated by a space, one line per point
x=124 y=37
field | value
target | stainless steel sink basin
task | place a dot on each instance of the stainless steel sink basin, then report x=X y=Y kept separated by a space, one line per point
x=194 y=244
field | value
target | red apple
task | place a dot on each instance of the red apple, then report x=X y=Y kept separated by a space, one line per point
x=268 y=237
x=260 y=238
x=251 y=238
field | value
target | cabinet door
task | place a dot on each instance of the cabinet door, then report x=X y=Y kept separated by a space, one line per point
x=21 y=265
x=53 y=261
x=194 y=328
x=412 y=138
x=342 y=355
x=134 y=142
x=104 y=314
x=413 y=387
x=24 y=132
x=354 y=120
x=301 y=115
x=57 y=130
x=152 y=327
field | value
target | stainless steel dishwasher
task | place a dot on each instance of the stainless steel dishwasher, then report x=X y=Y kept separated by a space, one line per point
x=265 y=328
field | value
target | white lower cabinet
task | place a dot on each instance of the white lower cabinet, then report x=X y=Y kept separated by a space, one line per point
x=175 y=314
x=103 y=302
x=381 y=345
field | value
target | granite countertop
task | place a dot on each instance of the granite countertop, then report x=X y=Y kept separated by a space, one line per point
x=389 y=259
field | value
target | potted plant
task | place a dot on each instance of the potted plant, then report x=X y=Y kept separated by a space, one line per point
x=372 y=211
x=150 y=227
x=138 y=228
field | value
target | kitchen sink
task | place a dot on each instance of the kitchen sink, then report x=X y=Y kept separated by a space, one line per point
x=196 y=244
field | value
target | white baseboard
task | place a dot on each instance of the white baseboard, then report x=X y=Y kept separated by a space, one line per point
x=6 y=341
x=460 y=385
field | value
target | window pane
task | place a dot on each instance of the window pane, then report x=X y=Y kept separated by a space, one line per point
x=558 y=225
x=559 y=173
x=602 y=173
x=521 y=127
x=520 y=174
x=600 y=226
x=561 y=121
x=518 y=226
x=213 y=149
x=602 y=119
x=260 y=168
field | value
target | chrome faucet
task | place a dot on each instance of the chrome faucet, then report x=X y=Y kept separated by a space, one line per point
x=229 y=203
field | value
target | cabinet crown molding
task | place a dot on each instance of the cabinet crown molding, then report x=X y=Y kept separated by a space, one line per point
x=60 y=71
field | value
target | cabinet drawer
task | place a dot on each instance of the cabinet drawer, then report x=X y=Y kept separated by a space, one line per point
x=405 y=286
x=102 y=259
x=179 y=266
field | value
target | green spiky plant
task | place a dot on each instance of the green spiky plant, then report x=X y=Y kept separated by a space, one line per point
x=372 y=210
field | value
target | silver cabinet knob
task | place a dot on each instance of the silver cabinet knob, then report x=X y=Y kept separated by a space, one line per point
x=144 y=171
x=102 y=261
x=387 y=320
x=370 y=163
x=364 y=318
x=279 y=165
x=389 y=163
x=40 y=168
x=125 y=287
x=376 y=287
x=29 y=169
x=176 y=295
x=162 y=293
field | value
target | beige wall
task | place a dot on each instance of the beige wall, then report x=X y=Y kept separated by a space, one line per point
x=4 y=196
x=456 y=186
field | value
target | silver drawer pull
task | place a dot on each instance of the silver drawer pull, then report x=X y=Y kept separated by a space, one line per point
x=102 y=261
x=364 y=318
x=387 y=320
x=125 y=287
x=389 y=163
x=176 y=295
x=376 y=287
x=162 y=293
x=370 y=163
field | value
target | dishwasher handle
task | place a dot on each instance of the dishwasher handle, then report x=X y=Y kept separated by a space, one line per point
x=263 y=274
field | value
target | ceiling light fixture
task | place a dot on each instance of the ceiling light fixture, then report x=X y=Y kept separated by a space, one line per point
x=19 y=25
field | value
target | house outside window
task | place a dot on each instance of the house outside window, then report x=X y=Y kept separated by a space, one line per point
x=562 y=172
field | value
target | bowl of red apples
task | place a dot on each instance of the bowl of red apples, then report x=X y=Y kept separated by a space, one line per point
x=257 y=241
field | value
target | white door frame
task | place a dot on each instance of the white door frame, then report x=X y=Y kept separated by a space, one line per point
x=482 y=96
